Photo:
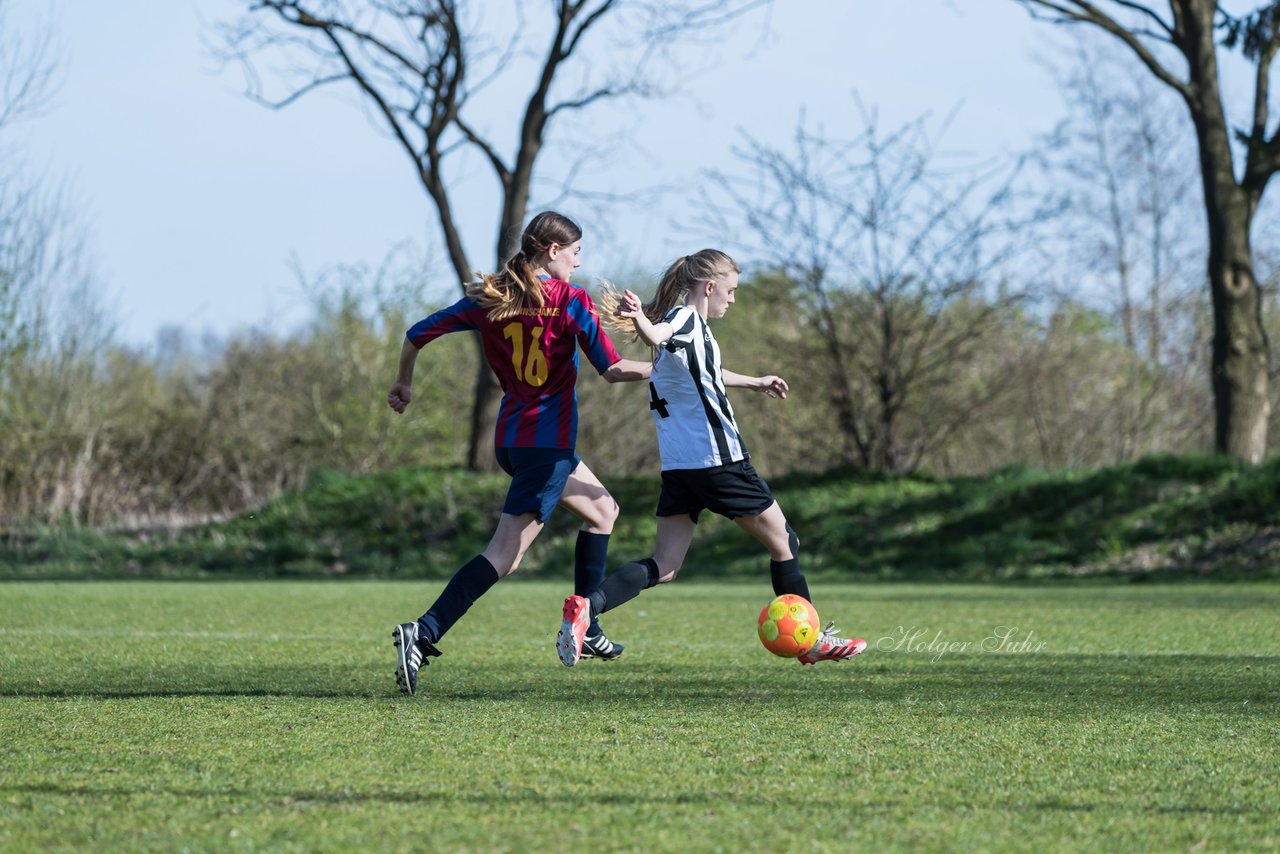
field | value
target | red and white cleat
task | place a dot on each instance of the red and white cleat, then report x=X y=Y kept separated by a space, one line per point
x=831 y=647
x=577 y=617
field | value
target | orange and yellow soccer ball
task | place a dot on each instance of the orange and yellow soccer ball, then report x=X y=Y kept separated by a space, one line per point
x=788 y=625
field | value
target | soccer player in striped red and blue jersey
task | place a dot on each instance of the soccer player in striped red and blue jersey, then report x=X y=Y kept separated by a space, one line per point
x=532 y=324
x=534 y=354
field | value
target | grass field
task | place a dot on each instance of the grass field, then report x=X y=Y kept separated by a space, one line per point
x=248 y=716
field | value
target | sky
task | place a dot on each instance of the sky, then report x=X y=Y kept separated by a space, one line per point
x=201 y=205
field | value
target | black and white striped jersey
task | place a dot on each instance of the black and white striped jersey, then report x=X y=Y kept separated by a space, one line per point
x=696 y=428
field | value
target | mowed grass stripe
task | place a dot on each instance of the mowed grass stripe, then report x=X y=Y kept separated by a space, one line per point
x=264 y=715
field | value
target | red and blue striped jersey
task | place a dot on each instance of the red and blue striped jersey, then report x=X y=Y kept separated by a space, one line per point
x=535 y=357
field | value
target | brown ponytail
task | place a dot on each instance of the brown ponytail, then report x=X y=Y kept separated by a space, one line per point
x=517 y=288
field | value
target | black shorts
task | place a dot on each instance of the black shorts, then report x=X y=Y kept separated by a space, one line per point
x=732 y=490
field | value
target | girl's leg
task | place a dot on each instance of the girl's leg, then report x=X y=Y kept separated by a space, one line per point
x=773 y=532
x=675 y=533
x=510 y=541
x=500 y=558
x=771 y=529
x=415 y=642
x=585 y=497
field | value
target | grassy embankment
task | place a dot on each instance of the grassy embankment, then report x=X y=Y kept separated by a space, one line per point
x=1163 y=517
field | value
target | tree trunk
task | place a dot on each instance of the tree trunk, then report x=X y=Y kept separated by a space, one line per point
x=484 y=415
x=1240 y=347
x=1241 y=401
x=484 y=406
x=1239 y=366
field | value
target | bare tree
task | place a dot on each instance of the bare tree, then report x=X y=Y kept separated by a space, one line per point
x=898 y=255
x=1195 y=29
x=419 y=65
x=53 y=324
x=1126 y=168
x=27 y=72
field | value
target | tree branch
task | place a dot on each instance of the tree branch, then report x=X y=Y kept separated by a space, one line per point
x=27 y=75
x=495 y=160
x=376 y=96
x=587 y=100
x=294 y=96
x=306 y=19
x=1143 y=9
x=1263 y=159
x=596 y=14
x=1084 y=12
x=709 y=15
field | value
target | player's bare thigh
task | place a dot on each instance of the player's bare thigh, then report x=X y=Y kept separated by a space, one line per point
x=675 y=533
x=585 y=497
x=511 y=540
x=770 y=528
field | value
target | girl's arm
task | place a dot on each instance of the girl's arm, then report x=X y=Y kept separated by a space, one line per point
x=627 y=370
x=460 y=316
x=770 y=385
x=655 y=335
x=402 y=389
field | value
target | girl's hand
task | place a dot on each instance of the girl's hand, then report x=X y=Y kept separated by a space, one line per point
x=399 y=396
x=774 y=387
x=630 y=305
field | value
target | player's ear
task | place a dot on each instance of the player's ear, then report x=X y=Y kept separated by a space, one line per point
x=553 y=250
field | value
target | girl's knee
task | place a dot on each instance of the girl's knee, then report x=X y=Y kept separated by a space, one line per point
x=504 y=567
x=610 y=511
x=503 y=559
x=667 y=573
x=603 y=515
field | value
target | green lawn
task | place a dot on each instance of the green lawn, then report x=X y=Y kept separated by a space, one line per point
x=242 y=716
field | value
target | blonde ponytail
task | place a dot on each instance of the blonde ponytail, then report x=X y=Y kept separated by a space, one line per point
x=684 y=274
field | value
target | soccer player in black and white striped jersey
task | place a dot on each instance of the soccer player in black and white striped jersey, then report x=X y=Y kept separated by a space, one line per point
x=705 y=465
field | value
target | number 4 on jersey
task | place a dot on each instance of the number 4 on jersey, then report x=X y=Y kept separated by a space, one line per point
x=657 y=404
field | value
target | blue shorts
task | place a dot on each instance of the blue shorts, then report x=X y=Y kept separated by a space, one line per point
x=538 y=478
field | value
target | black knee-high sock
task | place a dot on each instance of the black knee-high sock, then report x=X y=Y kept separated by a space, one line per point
x=624 y=584
x=786 y=574
x=588 y=567
x=468 y=584
x=787 y=578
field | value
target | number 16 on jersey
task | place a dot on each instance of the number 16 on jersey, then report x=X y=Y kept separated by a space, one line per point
x=531 y=367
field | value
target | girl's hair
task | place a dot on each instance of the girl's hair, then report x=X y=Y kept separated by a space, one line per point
x=516 y=288
x=681 y=277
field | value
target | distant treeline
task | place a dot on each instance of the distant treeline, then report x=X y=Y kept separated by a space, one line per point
x=108 y=434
